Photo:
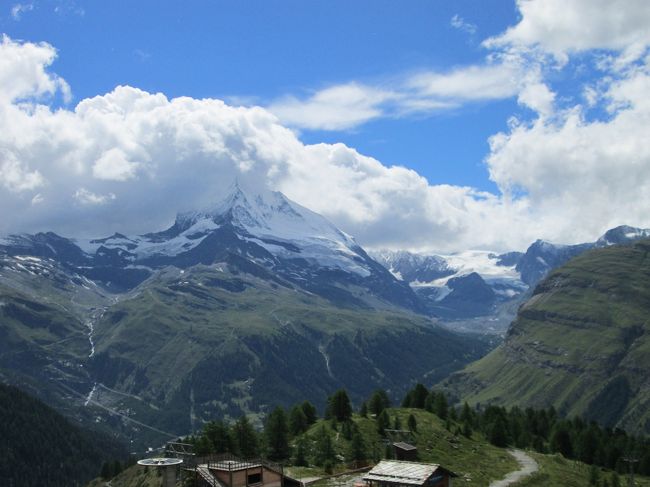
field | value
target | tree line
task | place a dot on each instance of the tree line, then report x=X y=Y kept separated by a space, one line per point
x=542 y=430
x=283 y=437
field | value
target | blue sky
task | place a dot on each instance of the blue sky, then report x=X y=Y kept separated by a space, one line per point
x=254 y=52
x=430 y=125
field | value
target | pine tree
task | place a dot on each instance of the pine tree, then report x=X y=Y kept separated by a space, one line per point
x=246 y=441
x=277 y=435
x=467 y=430
x=358 y=453
x=378 y=402
x=338 y=406
x=419 y=397
x=383 y=422
x=300 y=453
x=560 y=441
x=363 y=412
x=397 y=423
x=324 y=453
x=218 y=436
x=297 y=421
x=467 y=415
x=440 y=407
x=412 y=423
x=310 y=412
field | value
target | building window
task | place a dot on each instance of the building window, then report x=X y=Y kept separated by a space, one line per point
x=254 y=478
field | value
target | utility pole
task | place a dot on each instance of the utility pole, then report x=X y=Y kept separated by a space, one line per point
x=631 y=460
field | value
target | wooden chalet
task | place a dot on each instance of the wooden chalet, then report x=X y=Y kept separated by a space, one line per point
x=405 y=451
x=396 y=473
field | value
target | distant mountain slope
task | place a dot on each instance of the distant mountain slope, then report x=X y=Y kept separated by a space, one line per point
x=218 y=341
x=468 y=303
x=581 y=343
x=39 y=447
x=254 y=302
x=267 y=229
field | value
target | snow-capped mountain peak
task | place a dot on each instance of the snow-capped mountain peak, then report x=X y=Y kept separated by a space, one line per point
x=268 y=214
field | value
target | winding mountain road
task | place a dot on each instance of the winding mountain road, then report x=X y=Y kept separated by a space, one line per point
x=528 y=467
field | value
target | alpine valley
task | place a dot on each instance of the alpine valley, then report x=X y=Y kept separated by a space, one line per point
x=254 y=302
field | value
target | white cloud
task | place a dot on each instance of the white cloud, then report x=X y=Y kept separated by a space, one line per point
x=581 y=176
x=86 y=197
x=562 y=27
x=486 y=82
x=14 y=176
x=338 y=107
x=128 y=160
x=20 y=8
x=457 y=22
x=538 y=97
x=113 y=165
x=349 y=105
x=23 y=71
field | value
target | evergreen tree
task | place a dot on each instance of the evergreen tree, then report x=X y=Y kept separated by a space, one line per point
x=245 y=436
x=453 y=415
x=412 y=423
x=467 y=430
x=338 y=406
x=560 y=441
x=358 y=453
x=202 y=446
x=420 y=394
x=467 y=415
x=496 y=427
x=324 y=453
x=277 y=435
x=383 y=422
x=218 y=437
x=378 y=402
x=397 y=423
x=428 y=402
x=440 y=407
x=310 y=412
x=347 y=429
x=300 y=453
x=297 y=421
x=363 y=412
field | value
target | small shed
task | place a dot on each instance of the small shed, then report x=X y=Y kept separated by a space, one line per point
x=405 y=451
x=396 y=473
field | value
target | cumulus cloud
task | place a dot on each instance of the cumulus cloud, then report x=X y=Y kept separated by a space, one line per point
x=129 y=160
x=562 y=27
x=23 y=71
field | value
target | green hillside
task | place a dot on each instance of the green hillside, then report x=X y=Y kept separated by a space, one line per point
x=580 y=344
x=209 y=343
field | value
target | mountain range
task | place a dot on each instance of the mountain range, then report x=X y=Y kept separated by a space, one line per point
x=252 y=302
x=234 y=309
x=482 y=290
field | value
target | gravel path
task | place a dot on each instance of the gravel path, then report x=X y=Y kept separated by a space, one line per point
x=528 y=466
